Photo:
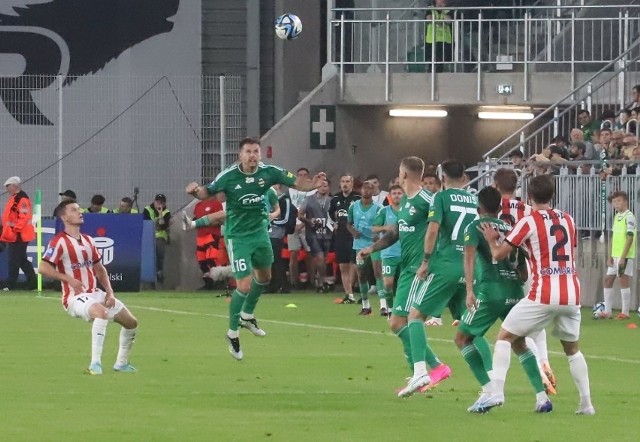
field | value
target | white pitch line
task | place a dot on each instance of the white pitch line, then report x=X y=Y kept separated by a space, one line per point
x=352 y=330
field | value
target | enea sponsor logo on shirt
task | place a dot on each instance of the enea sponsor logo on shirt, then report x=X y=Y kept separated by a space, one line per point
x=404 y=227
x=252 y=198
x=289 y=175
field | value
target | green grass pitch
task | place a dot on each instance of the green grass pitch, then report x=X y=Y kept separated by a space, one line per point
x=322 y=373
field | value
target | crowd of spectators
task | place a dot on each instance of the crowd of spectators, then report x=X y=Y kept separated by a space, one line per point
x=607 y=146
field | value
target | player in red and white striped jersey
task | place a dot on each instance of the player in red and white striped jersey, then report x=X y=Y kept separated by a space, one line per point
x=512 y=211
x=72 y=258
x=550 y=238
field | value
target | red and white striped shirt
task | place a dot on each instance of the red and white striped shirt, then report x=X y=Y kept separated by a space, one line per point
x=549 y=236
x=512 y=211
x=75 y=258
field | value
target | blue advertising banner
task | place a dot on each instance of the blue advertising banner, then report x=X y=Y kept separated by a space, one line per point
x=119 y=240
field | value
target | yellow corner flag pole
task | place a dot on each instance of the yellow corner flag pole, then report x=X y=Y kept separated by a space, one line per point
x=37 y=220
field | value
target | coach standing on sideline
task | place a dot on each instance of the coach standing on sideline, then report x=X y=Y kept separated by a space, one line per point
x=17 y=231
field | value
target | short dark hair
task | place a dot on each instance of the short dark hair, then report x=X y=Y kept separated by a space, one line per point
x=453 y=169
x=62 y=207
x=606 y=129
x=394 y=187
x=372 y=176
x=414 y=165
x=627 y=112
x=636 y=110
x=580 y=146
x=301 y=169
x=506 y=180
x=516 y=153
x=584 y=111
x=98 y=200
x=636 y=88
x=248 y=140
x=490 y=200
x=541 y=189
x=560 y=139
x=618 y=194
x=127 y=200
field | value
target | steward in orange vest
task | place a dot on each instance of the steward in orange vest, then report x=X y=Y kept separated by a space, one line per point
x=17 y=231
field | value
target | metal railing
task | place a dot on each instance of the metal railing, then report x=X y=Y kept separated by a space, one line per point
x=566 y=38
x=604 y=90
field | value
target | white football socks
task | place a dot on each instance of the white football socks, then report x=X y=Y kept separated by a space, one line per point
x=580 y=374
x=127 y=336
x=501 y=361
x=626 y=300
x=608 y=300
x=98 y=332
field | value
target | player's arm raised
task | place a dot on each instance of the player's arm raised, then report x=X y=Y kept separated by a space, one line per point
x=305 y=184
x=197 y=191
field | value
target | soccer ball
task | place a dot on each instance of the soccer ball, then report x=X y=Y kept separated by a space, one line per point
x=288 y=26
x=597 y=309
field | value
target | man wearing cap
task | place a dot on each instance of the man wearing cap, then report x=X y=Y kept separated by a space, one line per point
x=17 y=231
x=66 y=195
x=158 y=213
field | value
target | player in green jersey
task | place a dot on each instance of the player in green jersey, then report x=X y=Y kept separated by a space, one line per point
x=410 y=230
x=493 y=288
x=245 y=185
x=452 y=210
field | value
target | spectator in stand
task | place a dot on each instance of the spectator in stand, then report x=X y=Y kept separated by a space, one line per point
x=67 y=195
x=577 y=135
x=608 y=119
x=578 y=148
x=517 y=159
x=126 y=207
x=589 y=127
x=629 y=142
x=562 y=143
x=635 y=97
x=633 y=169
x=97 y=205
x=439 y=38
x=623 y=118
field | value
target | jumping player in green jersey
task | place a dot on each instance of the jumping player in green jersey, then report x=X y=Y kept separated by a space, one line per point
x=493 y=287
x=453 y=209
x=410 y=230
x=245 y=185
